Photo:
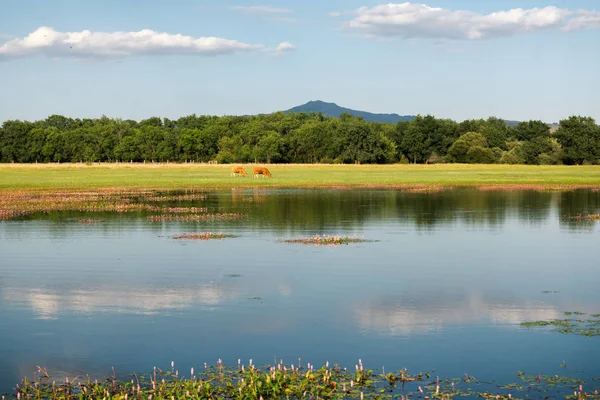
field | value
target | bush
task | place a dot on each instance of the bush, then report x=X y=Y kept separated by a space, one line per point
x=512 y=157
x=458 y=151
x=480 y=155
x=434 y=158
x=497 y=152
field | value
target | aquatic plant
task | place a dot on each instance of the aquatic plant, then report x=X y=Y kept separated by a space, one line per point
x=20 y=203
x=583 y=327
x=88 y=221
x=296 y=382
x=203 y=235
x=320 y=240
x=583 y=217
x=197 y=217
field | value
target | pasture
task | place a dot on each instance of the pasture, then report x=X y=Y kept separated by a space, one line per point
x=156 y=175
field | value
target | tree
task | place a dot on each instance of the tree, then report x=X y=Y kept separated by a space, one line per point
x=459 y=150
x=496 y=132
x=480 y=155
x=528 y=130
x=268 y=147
x=580 y=139
x=533 y=148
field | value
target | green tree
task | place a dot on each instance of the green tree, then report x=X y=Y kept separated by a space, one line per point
x=496 y=132
x=580 y=139
x=528 y=130
x=480 y=155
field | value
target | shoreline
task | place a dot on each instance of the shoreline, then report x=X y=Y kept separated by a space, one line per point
x=413 y=188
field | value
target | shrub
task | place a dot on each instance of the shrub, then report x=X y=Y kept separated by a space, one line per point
x=480 y=155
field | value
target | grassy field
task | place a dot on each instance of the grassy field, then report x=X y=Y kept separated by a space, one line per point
x=74 y=176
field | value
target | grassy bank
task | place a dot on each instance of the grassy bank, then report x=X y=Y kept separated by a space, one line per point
x=76 y=176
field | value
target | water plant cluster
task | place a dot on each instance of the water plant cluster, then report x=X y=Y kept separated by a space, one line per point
x=203 y=235
x=320 y=240
x=87 y=221
x=21 y=203
x=197 y=217
x=583 y=326
x=584 y=217
x=289 y=381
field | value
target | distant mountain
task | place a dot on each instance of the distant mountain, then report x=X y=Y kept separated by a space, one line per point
x=333 y=110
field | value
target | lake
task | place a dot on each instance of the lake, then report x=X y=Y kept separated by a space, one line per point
x=443 y=284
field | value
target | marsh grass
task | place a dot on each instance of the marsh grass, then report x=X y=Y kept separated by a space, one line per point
x=410 y=177
x=287 y=381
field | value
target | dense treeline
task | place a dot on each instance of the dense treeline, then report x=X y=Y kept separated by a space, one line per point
x=299 y=138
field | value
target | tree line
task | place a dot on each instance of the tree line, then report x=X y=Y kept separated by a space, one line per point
x=299 y=138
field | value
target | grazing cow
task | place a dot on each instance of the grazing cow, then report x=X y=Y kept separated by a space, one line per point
x=237 y=171
x=261 y=171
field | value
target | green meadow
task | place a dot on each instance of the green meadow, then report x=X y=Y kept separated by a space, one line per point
x=169 y=176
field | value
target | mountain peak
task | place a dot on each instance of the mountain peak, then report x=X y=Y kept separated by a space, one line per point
x=333 y=110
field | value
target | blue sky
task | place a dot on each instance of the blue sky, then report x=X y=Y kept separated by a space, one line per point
x=449 y=58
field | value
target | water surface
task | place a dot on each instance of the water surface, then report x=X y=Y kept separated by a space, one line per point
x=445 y=285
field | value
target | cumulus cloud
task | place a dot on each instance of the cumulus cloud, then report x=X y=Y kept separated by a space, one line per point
x=261 y=10
x=105 y=45
x=584 y=20
x=413 y=20
x=283 y=47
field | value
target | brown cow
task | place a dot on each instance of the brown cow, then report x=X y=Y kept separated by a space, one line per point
x=237 y=171
x=261 y=171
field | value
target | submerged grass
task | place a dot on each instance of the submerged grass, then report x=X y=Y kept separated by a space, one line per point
x=423 y=177
x=281 y=380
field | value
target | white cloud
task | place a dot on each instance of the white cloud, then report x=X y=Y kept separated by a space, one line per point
x=413 y=20
x=584 y=20
x=261 y=10
x=102 y=45
x=335 y=14
x=283 y=47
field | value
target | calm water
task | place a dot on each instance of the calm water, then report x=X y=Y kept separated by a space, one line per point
x=445 y=286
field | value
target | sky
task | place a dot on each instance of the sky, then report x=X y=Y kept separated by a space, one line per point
x=457 y=59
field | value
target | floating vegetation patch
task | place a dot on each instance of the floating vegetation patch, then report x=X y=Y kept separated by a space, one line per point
x=88 y=221
x=182 y=210
x=582 y=327
x=583 y=217
x=197 y=217
x=183 y=197
x=327 y=240
x=298 y=381
x=203 y=236
x=551 y=291
x=20 y=203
